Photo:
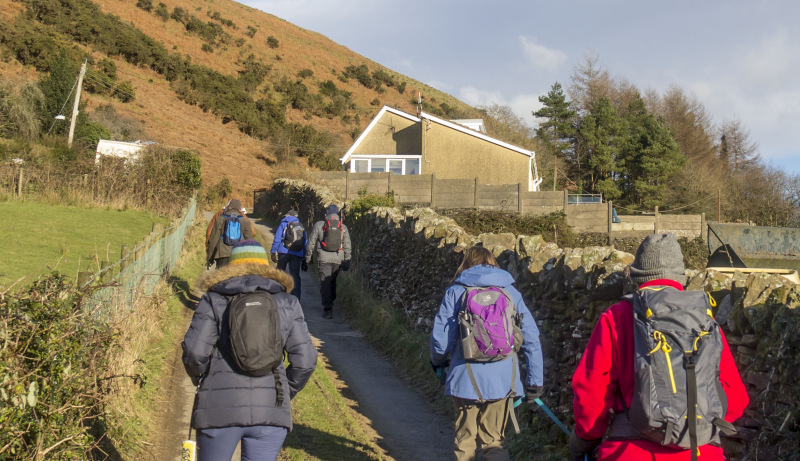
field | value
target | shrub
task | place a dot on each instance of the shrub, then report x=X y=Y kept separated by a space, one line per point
x=325 y=161
x=272 y=42
x=375 y=102
x=187 y=170
x=162 y=12
x=146 y=5
x=207 y=48
x=251 y=31
x=360 y=73
x=366 y=202
x=305 y=73
x=219 y=191
x=384 y=77
x=125 y=92
x=401 y=88
x=54 y=374
x=91 y=133
x=180 y=15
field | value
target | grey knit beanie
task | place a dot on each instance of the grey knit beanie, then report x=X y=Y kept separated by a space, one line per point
x=658 y=257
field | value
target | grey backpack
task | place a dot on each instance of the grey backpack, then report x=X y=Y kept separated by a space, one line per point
x=678 y=399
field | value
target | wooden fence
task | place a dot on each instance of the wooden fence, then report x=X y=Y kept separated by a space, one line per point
x=436 y=193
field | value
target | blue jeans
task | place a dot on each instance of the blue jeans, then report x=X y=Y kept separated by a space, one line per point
x=259 y=443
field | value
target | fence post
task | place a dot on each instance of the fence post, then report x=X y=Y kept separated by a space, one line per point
x=83 y=278
x=703 y=231
x=610 y=221
x=433 y=190
x=389 y=182
x=475 y=196
x=346 y=185
x=123 y=258
x=656 y=223
x=519 y=198
x=107 y=272
x=19 y=183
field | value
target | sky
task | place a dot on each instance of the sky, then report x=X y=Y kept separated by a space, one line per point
x=741 y=59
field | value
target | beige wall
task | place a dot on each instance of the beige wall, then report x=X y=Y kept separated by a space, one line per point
x=392 y=135
x=450 y=154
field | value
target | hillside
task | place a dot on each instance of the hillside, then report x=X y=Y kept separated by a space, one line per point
x=313 y=81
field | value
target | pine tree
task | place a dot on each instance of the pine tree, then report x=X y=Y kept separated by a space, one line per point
x=604 y=133
x=650 y=158
x=557 y=131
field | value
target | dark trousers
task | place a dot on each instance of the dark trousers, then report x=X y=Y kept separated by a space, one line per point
x=327 y=283
x=221 y=262
x=291 y=265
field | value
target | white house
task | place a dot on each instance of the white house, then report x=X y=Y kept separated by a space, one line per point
x=128 y=150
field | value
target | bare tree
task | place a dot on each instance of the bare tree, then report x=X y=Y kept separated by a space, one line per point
x=736 y=147
x=589 y=82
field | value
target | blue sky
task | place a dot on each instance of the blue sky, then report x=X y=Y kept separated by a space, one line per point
x=740 y=58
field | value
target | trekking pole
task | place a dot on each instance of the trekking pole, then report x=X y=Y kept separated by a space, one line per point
x=557 y=421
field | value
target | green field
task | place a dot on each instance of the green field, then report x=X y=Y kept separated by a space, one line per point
x=38 y=239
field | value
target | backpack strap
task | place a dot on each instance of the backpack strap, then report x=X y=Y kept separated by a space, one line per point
x=691 y=400
x=511 y=394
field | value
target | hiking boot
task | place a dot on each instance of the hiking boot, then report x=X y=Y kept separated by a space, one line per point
x=327 y=314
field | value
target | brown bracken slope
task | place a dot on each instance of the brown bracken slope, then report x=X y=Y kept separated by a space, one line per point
x=225 y=152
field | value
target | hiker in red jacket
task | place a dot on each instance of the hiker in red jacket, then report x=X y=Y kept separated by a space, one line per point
x=606 y=370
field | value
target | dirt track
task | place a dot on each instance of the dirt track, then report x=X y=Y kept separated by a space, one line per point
x=405 y=426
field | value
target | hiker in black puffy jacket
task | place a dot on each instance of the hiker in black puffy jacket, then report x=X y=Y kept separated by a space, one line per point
x=331 y=258
x=231 y=406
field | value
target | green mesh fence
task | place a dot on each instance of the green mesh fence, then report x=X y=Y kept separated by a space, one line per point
x=119 y=284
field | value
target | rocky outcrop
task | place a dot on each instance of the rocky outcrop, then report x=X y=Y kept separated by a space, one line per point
x=410 y=256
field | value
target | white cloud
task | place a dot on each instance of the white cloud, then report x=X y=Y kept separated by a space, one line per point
x=541 y=56
x=522 y=104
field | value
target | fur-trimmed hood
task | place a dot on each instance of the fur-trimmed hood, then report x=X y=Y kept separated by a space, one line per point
x=245 y=278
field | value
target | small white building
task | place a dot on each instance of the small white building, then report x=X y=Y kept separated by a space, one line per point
x=127 y=150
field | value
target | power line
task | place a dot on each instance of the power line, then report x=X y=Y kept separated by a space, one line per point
x=64 y=105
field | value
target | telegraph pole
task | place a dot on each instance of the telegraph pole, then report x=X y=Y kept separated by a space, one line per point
x=75 y=105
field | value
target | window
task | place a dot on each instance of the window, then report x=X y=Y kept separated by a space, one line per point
x=396 y=164
x=378 y=165
x=361 y=166
x=412 y=166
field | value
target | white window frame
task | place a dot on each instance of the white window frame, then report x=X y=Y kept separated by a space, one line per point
x=387 y=158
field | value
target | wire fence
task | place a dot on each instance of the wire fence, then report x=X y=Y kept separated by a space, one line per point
x=138 y=272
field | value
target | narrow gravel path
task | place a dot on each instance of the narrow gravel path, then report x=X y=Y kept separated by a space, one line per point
x=407 y=428
x=406 y=425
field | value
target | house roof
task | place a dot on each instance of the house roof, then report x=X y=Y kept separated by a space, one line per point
x=434 y=119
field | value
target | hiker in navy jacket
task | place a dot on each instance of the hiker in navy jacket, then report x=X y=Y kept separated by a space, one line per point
x=288 y=260
x=482 y=424
x=231 y=406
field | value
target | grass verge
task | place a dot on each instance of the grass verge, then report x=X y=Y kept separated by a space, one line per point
x=148 y=340
x=326 y=426
x=40 y=238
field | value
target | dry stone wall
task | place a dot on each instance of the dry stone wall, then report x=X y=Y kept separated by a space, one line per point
x=410 y=256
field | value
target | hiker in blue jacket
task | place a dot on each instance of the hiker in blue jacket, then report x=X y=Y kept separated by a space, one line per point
x=481 y=423
x=290 y=260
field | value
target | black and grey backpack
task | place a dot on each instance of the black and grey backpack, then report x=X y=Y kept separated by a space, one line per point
x=678 y=399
